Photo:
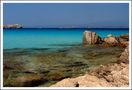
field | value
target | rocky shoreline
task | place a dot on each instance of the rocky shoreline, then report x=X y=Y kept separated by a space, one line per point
x=110 y=75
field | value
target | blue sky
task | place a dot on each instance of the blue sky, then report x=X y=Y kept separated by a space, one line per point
x=67 y=15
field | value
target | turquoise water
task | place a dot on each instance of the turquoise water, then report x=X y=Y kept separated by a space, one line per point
x=50 y=38
x=26 y=53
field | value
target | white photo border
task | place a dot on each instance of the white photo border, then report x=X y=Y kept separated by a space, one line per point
x=16 y=88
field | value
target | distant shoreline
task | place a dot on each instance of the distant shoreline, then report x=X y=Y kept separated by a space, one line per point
x=65 y=28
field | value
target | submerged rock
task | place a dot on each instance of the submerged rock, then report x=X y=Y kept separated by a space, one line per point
x=91 y=38
x=28 y=81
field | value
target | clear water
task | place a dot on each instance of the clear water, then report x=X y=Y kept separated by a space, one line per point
x=25 y=50
x=50 y=38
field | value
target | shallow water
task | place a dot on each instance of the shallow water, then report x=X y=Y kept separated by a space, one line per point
x=55 y=65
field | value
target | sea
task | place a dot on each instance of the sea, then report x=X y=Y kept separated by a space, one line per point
x=53 y=54
x=51 y=37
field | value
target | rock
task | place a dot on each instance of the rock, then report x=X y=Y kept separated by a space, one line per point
x=109 y=35
x=91 y=38
x=28 y=80
x=111 y=40
x=124 y=36
x=109 y=78
x=124 y=58
x=66 y=83
x=12 y=65
x=56 y=76
x=91 y=81
x=82 y=81
x=116 y=76
x=121 y=77
x=75 y=64
x=124 y=39
x=114 y=42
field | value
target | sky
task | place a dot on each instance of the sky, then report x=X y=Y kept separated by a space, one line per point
x=67 y=14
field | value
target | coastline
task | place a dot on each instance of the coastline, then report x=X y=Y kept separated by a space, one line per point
x=110 y=75
x=66 y=45
x=45 y=67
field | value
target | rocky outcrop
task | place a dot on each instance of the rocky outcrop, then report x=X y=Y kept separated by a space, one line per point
x=111 y=75
x=82 y=81
x=115 y=75
x=91 y=38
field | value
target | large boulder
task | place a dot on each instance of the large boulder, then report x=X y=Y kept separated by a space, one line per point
x=91 y=38
x=110 y=39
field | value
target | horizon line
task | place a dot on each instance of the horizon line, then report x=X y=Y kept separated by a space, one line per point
x=67 y=28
